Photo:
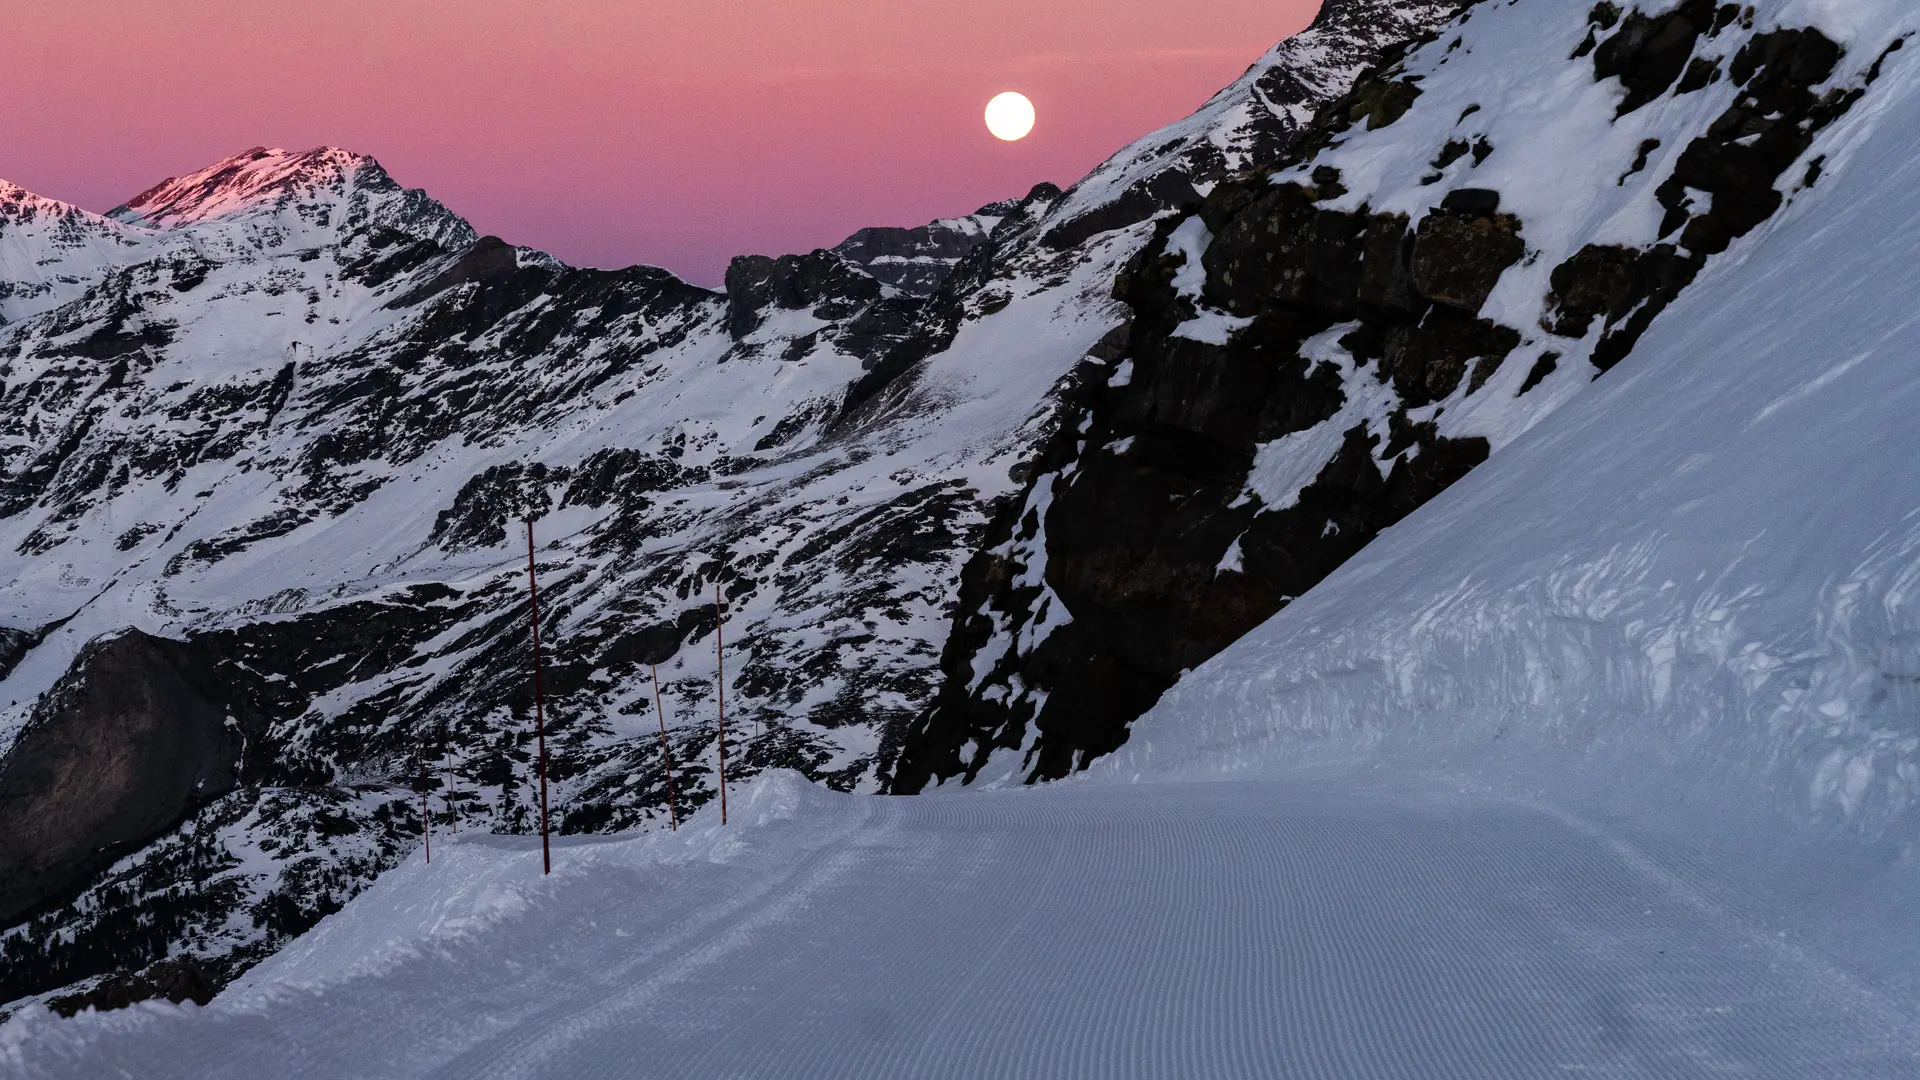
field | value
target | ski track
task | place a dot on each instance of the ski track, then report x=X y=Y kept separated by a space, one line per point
x=1309 y=927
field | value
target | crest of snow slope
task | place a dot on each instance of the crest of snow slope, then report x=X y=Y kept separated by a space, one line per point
x=1245 y=125
x=1691 y=602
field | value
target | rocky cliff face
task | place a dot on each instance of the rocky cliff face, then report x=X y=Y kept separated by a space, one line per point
x=117 y=754
x=916 y=261
x=1318 y=347
x=275 y=428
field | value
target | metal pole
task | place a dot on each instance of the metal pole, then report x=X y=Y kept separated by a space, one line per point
x=539 y=711
x=720 y=694
x=426 y=820
x=666 y=753
x=446 y=768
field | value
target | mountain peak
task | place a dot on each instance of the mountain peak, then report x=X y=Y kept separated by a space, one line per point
x=19 y=204
x=252 y=178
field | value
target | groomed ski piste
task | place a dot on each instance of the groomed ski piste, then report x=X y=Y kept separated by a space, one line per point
x=1605 y=763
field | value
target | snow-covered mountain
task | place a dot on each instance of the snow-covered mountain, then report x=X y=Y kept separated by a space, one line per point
x=270 y=430
x=52 y=251
x=1464 y=242
x=1601 y=762
x=973 y=495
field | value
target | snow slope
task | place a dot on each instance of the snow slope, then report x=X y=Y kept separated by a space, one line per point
x=1706 y=561
x=1686 y=607
x=51 y=252
x=1332 y=927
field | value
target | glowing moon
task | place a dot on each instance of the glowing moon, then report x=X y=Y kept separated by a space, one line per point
x=1010 y=116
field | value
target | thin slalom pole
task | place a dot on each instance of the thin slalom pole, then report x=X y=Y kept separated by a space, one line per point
x=666 y=752
x=446 y=773
x=539 y=711
x=426 y=819
x=720 y=693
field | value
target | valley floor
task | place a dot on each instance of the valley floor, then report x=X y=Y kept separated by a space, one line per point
x=1319 y=925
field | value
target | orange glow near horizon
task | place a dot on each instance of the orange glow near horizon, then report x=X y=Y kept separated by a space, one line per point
x=676 y=132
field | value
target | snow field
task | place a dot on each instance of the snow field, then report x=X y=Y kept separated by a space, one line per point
x=1326 y=924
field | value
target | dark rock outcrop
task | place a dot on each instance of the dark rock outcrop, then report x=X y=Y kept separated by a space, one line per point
x=1648 y=53
x=1138 y=536
x=916 y=261
x=1345 y=36
x=177 y=981
x=14 y=647
x=129 y=742
x=820 y=281
x=490 y=259
x=1459 y=255
x=1144 y=534
x=1739 y=162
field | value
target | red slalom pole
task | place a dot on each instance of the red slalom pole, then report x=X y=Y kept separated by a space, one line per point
x=453 y=812
x=539 y=715
x=426 y=819
x=720 y=694
x=666 y=752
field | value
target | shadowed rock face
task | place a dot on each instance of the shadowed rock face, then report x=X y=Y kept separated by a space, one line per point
x=916 y=261
x=122 y=749
x=14 y=646
x=170 y=980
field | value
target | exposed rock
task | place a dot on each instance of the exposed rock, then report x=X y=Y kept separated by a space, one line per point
x=1458 y=256
x=1135 y=539
x=120 y=752
x=1598 y=280
x=821 y=281
x=916 y=261
x=170 y=980
x=1140 y=201
x=1257 y=120
x=1548 y=363
x=1739 y=161
x=1648 y=53
x=1381 y=102
x=1701 y=73
x=14 y=647
x=489 y=259
x=1426 y=362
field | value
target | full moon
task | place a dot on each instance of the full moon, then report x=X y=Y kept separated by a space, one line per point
x=1010 y=116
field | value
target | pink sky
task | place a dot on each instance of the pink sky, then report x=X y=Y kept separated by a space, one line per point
x=674 y=132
